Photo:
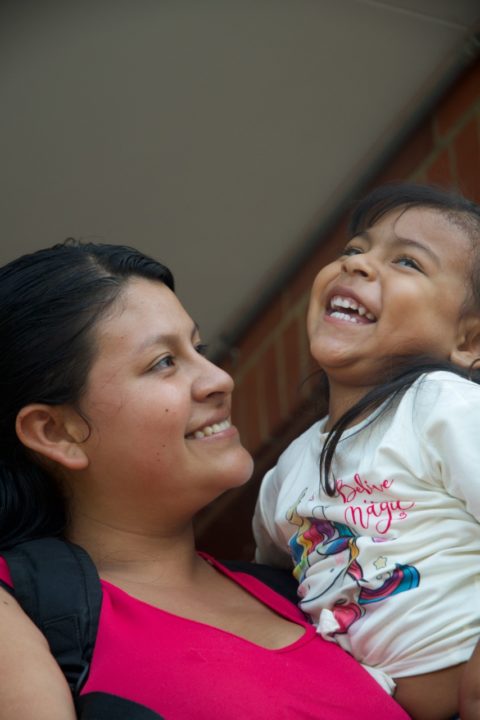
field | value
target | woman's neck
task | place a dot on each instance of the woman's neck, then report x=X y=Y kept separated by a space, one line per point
x=131 y=555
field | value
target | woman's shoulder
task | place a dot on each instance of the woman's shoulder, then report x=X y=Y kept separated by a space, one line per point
x=5 y=577
x=274 y=587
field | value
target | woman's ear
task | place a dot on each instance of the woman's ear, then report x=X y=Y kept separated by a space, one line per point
x=467 y=350
x=55 y=432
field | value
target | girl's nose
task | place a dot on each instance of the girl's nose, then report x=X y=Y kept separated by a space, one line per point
x=359 y=264
x=211 y=380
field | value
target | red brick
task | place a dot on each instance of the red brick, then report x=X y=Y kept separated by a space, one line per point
x=324 y=253
x=406 y=160
x=228 y=365
x=467 y=158
x=247 y=411
x=460 y=98
x=268 y=366
x=261 y=328
x=440 y=170
x=301 y=283
x=291 y=348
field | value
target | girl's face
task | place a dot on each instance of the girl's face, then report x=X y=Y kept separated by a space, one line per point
x=158 y=411
x=399 y=288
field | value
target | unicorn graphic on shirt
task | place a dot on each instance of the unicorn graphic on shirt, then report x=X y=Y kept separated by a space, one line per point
x=317 y=539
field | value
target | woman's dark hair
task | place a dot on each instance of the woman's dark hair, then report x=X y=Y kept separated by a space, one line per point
x=50 y=303
x=402 y=371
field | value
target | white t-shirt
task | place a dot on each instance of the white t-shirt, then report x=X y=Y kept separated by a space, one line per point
x=390 y=567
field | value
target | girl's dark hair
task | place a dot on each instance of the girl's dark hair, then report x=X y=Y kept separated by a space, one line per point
x=402 y=371
x=50 y=303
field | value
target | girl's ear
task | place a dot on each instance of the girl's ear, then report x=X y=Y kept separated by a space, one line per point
x=55 y=432
x=467 y=351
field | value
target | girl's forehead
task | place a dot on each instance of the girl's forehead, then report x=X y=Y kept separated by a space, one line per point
x=438 y=229
x=431 y=232
x=425 y=221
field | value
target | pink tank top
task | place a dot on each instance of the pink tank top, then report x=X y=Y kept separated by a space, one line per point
x=183 y=669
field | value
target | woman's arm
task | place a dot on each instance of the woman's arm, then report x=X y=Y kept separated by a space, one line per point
x=32 y=686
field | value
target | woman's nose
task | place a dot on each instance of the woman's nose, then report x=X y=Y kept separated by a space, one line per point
x=211 y=380
x=359 y=264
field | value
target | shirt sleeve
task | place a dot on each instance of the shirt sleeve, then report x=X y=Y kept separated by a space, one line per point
x=271 y=548
x=449 y=413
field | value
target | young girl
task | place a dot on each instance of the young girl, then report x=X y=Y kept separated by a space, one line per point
x=386 y=542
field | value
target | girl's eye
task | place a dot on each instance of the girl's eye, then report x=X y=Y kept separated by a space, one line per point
x=201 y=348
x=165 y=362
x=408 y=262
x=351 y=250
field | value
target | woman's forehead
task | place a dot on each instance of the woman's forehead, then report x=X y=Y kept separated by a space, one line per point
x=143 y=309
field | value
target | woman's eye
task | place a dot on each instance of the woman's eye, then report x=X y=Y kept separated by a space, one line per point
x=201 y=348
x=408 y=262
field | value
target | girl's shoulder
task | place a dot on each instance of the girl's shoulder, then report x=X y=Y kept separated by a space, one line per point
x=441 y=396
x=445 y=384
x=308 y=439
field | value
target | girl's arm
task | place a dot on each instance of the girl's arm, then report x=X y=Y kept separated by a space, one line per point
x=32 y=686
x=470 y=688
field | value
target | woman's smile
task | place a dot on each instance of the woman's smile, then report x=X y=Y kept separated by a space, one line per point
x=215 y=428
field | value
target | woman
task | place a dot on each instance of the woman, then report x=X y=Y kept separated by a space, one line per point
x=115 y=431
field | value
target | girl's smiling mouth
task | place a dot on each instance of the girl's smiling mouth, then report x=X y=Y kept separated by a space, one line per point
x=346 y=308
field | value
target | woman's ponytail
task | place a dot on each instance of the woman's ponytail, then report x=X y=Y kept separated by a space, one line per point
x=31 y=503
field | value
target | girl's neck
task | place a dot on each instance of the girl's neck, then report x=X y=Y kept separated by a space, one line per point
x=341 y=399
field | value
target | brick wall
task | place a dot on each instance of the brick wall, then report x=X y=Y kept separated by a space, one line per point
x=271 y=364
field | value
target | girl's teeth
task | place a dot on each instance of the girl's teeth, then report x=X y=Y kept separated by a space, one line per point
x=347 y=303
x=343 y=316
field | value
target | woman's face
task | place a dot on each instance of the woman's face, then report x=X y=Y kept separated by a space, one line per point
x=158 y=410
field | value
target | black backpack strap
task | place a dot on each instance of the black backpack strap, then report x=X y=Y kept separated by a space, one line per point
x=102 y=706
x=280 y=580
x=6 y=587
x=57 y=585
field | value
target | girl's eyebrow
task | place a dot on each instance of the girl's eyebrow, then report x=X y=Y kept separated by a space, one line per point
x=164 y=338
x=399 y=241
x=410 y=242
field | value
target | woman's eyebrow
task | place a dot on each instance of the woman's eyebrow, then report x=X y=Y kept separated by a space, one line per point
x=164 y=338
